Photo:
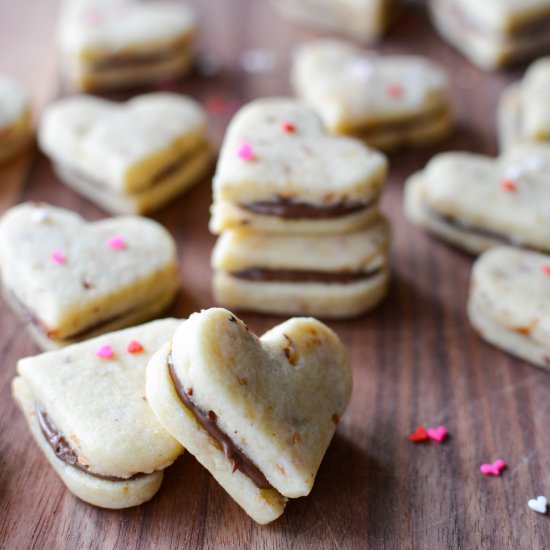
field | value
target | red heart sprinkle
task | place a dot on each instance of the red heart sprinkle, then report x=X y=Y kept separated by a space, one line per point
x=394 y=91
x=288 y=127
x=420 y=434
x=508 y=185
x=134 y=347
x=546 y=269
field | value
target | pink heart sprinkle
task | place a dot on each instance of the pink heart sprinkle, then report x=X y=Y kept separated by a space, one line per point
x=105 y=352
x=245 y=152
x=116 y=242
x=395 y=91
x=494 y=469
x=92 y=17
x=58 y=257
x=437 y=434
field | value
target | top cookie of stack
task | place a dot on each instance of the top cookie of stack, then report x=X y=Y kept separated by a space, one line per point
x=282 y=182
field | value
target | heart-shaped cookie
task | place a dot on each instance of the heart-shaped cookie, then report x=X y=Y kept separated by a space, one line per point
x=476 y=202
x=386 y=101
x=524 y=110
x=258 y=413
x=87 y=412
x=112 y=43
x=509 y=303
x=279 y=172
x=69 y=279
x=131 y=157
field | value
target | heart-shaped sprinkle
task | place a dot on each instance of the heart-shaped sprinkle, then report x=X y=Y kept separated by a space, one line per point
x=92 y=17
x=40 y=215
x=361 y=69
x=546 y=269
x=58 y=257
x=538 y=504
x=134 y=347
x=245 y=152
x=105 y=352
x=288 y=127
x=494 y=469
x=419 y=435
x=395 y=91
x=535 y=163
x=514 y=172
x=116 y=242
x=437 y=434
x=508 y=185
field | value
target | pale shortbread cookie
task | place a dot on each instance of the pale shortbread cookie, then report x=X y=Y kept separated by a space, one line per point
x=69 y=279
x=15 y=118
x=106 y=44
x=274 y=400
x=509 y=302
x=524 y=109
x=278 y=172
x=388 y=102
x=494 y=33
x=476 y=202
x=320 y=275
x=363 y=20
x=90 y=417
x=128 y=158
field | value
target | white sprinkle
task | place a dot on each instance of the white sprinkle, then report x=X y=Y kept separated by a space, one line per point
x=514 y=172
x=534 y=163
x=258 y=60
x=40 y=215
x=360 y=69
x=538 y=504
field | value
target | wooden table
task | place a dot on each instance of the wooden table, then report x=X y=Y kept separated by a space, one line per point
x=415 y=360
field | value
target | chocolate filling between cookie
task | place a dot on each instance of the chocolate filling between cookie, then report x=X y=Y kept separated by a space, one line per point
x=239 y=460
x=260 y=274
x=64 y=452
x=476 y=230
x=292 y=210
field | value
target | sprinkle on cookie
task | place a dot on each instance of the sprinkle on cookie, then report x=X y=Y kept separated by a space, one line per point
x=395 y=91
x=134 y=347
x=245 y=152
x=288 y=127
x=105 y=352
x=116 y=242
x=508 y=185
x=58 y=257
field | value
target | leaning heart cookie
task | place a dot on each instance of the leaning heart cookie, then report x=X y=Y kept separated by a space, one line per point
x=524 y=109
x=132 y=157
x=476 y=202
x=86 y=409
x=70 y=280
x=258 y=413
x=279 y=172
x=388 y=101
x=109 y=44
x=509 y=302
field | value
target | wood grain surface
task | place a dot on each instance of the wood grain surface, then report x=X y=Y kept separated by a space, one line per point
x=415 y=360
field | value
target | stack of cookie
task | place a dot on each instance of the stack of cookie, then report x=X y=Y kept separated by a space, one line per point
x=302 y=232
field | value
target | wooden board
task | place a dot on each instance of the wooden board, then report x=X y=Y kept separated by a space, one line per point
x=415 y=360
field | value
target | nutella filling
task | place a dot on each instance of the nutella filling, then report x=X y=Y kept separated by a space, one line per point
x=481 y=231
x=60 y=446
x=290 y=210
x=260 y=274
x=239 y=460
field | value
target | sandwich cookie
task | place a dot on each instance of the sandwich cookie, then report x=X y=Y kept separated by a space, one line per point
x=129 y=158
x=290 y=274
x=278 y=172
x=109 y=44
x=509 y=302
x=388 y=102
x=85 y=406
x=15 y=118
x=258 y=413
x=494 y=33
x=363 y=20
x=476 y=202
x=524 y=110
x=70 y=280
